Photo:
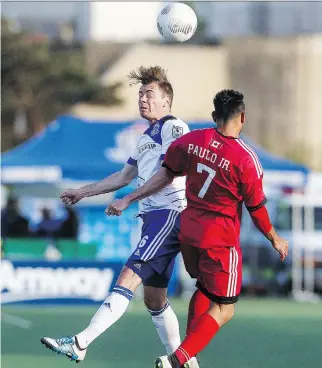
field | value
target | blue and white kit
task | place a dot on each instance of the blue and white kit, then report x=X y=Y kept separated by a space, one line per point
x=154 y=257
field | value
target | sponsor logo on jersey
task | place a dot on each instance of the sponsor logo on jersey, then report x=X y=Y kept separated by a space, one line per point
x=177 y=131
x=147 y=146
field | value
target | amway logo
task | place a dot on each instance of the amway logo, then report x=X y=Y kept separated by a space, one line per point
x=147 y=146
x=30 y=283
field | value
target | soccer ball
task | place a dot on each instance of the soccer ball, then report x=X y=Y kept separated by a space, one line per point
x=177 y=22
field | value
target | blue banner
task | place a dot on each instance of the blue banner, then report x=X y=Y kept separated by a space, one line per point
x=61 y=282
x=57 y=282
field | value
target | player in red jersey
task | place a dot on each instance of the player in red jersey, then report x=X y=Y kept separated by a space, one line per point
x=222 y=173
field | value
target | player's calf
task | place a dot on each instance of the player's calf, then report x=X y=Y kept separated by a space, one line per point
x=112 y=309
x=167 y=326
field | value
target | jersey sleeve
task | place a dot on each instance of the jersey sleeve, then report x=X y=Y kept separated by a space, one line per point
x=171 y=131
x=252 y=183
x=175 y=159
x=134 y=157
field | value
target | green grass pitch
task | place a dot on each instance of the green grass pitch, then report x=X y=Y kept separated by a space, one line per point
x=263 y=334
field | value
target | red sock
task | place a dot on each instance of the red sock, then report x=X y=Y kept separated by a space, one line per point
x=199 y=304
x=198 y=338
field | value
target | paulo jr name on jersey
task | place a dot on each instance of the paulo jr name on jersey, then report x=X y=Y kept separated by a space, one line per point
x=148 y=156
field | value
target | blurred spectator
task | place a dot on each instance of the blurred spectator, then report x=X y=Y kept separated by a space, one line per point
x=48 y=226
x=13 y=224
x=69 y=228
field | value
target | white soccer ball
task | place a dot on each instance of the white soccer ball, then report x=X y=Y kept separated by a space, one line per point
x=177 y=22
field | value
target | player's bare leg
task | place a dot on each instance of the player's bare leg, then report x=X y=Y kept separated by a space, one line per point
x=222 y=313
x=113 y=307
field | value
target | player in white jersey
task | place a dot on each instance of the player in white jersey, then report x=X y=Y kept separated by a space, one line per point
x=152 y=262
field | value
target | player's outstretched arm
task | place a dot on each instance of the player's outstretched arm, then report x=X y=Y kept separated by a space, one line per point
x=261 y=220
x=254 y=198
x=113 y=182
x=158 y=181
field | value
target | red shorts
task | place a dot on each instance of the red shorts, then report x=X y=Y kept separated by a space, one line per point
x=218 y=271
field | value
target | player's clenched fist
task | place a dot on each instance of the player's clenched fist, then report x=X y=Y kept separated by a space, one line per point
x=71 y=196
x=281 y=245
x=116 y=208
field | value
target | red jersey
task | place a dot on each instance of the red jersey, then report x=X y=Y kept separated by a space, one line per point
x=222 y=173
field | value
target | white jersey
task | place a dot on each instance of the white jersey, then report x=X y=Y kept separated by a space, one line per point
x=148 y=156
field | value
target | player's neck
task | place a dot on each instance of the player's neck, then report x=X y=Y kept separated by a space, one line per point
x=228 y=130
x=159 y=117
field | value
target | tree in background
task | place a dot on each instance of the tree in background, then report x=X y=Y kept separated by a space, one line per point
x=40 y=82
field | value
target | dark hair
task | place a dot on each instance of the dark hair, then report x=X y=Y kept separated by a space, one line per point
x=228 y=103
x=152 y=74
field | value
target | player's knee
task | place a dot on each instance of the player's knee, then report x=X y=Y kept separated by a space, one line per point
x=154 y=303
x=154 y=298
x=222 y=313
x=228 y=312
x=128 y=279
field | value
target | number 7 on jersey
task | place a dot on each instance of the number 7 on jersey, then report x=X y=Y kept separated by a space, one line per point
x=212 y=174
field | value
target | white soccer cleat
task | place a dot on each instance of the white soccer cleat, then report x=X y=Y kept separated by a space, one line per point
x=171 y=362
x=192 y=363
x=166 y=362
x=65 y=346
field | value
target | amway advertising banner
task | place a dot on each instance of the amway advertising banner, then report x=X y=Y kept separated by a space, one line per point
x=60 y=282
